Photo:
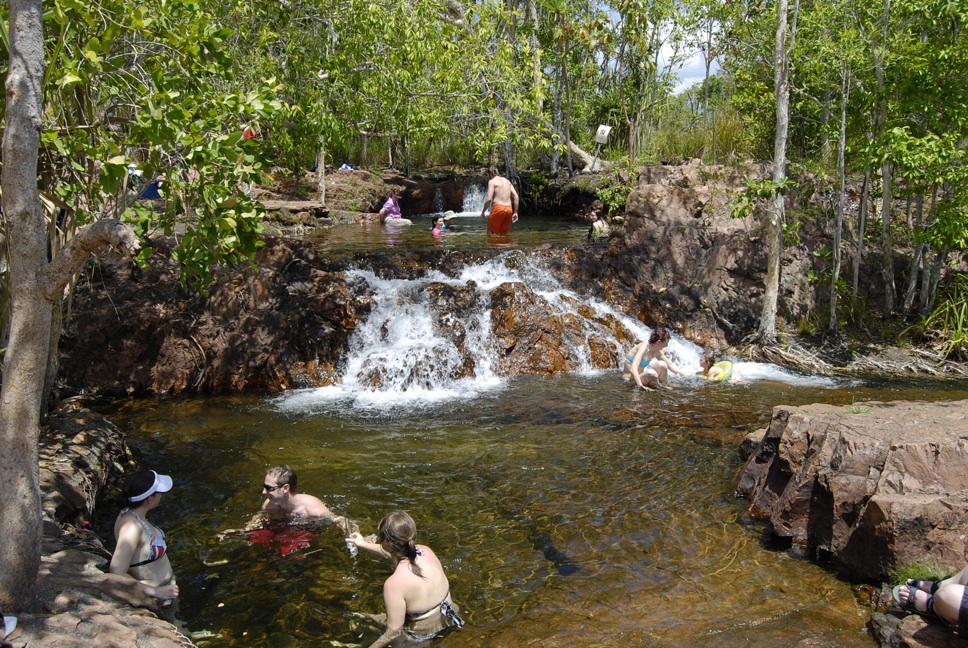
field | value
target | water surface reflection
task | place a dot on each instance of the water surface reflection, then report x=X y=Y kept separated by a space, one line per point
x=567 y=512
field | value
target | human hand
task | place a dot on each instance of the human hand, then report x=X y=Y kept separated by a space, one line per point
x=514 y=217
x=355 y=538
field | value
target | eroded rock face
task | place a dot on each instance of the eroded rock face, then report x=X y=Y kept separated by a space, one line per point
x=873 y=486
x=280 y=325
x=688 y=262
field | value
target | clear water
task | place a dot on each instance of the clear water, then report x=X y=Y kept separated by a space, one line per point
x=572 y=511
x=468 y=233
x=567 y=512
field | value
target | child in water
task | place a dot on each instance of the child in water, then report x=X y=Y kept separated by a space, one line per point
x=722 y=371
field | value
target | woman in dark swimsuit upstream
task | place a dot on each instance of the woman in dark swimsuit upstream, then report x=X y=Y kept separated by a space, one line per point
x=141 y=549
x=417 y=594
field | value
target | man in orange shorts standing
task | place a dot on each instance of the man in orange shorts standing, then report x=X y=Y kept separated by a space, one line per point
x=503 y=199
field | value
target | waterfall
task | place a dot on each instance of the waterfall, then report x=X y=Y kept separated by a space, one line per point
x=409 y=352
x=413 y=351
x=474 y=199
x=438 y=203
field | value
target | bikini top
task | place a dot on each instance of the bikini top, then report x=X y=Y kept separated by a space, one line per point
x=444 y=607
x=156 y=546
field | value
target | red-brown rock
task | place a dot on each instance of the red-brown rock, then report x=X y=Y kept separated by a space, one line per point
x=873 y=486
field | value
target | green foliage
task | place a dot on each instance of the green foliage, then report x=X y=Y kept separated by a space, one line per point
x=614 y=194
x=757 y=192
x=948 y=322
x=148 y=86
x=919 y=571
x=539 y=182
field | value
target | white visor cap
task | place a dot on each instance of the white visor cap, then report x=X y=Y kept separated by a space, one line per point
x=162 y=484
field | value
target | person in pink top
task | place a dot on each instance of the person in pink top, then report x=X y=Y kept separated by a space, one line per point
x=390 y=212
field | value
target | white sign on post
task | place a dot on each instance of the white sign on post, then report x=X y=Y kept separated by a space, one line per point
x=602 y=135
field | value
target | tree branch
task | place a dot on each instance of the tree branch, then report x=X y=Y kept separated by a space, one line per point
x=74 y=255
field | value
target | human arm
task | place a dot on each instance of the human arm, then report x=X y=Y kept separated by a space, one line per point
x=514 y=204
x=396 y=613
x=637 y=368
x=361 y=542
x=672 y=366
x=129 y=536
x=489 y=198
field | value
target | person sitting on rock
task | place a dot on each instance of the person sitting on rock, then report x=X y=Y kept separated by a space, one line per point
x=946 y=599
x=647 y=364
x=390 y=212
x=141 y=551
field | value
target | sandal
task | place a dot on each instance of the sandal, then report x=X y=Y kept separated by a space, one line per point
x=911 y=604
x=928 y=586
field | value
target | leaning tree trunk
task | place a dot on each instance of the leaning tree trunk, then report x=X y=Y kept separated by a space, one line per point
x=774 y=231
x=35 y=286
x=25 y=361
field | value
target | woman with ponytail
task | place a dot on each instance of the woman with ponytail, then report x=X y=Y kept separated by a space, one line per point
x=417 y=594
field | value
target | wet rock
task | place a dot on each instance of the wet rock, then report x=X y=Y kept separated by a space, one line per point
x=870 y=486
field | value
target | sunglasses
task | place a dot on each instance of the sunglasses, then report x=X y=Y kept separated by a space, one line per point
x=269 y=488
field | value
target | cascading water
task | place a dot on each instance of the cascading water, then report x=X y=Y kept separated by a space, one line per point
x=474 y=196
x=438 y=201
x=411 y=350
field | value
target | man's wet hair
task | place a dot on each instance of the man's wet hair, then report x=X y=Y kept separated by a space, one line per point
x=284 y=475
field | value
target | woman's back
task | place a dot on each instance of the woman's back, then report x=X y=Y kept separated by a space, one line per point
x=422 y=593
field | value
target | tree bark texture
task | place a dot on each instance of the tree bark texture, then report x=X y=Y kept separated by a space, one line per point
x=841 y=199
x=26 y=359
x=774 y=229
x=890 y=296
x=35 y=286
x=861 y=229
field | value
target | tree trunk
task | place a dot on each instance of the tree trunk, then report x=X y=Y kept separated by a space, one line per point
x=774 y=230
x=862 y=227
x=532 y=9
x=321 y=169
x=887 y=248
x=841 y=198
x=35 y=286
x=25 y=361
x=916 y=260
x=880 y=118
x=556 y=130
x=567 y=132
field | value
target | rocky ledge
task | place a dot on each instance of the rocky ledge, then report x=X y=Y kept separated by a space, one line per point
x=867 y=487
x=78 y=603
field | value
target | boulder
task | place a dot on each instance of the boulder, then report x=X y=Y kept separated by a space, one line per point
x=870 y=486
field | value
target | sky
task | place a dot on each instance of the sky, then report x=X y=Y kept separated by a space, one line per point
x=691 y=71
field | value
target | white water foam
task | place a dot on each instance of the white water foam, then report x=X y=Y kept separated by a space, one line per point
x=474 y=197
x=405 y=355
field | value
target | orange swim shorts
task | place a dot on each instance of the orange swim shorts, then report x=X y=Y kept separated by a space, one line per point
x=499 y=222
